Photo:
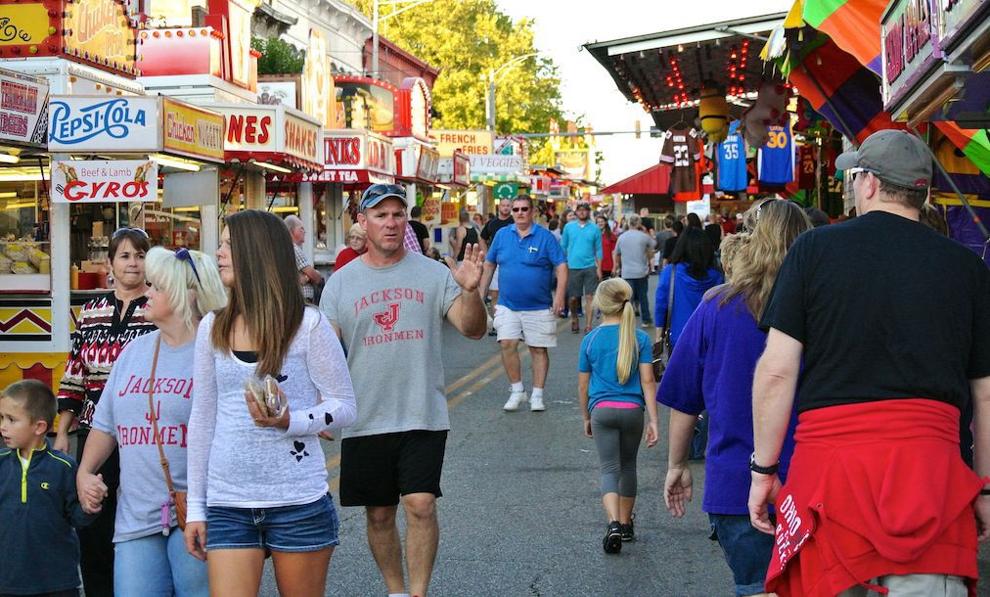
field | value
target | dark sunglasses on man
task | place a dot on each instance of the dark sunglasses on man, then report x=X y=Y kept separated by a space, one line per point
x=522 y=209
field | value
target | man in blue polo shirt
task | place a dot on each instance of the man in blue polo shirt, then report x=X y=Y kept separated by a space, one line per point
x=582 y=242
x=527 y=255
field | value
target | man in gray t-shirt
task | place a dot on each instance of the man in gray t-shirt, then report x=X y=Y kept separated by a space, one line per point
x=388 y=307
x=633 y=251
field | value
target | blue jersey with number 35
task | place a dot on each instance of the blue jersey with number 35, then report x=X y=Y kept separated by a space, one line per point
x=732 y=161
x=776 y=158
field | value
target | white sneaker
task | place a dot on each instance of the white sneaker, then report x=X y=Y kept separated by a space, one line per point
x=536 y=404
x=515 y=400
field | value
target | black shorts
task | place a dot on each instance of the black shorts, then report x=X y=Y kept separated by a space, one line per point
x=375 y=470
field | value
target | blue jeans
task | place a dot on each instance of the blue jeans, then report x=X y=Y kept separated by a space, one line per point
x=308 y=527
x=746 y=550
x=641 y=293
x=158 y=565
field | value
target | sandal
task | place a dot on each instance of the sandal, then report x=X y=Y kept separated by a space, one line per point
x=575 y=326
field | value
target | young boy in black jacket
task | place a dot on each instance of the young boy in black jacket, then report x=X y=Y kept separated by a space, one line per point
x=39 y=510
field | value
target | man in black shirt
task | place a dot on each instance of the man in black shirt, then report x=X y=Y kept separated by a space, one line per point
x=422 y=233
x=881 y=329
x=488 y=233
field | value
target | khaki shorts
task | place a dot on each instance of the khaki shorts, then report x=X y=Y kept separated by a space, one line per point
x=536 y=328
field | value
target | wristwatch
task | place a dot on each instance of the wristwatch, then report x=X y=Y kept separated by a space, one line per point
x=763 y=470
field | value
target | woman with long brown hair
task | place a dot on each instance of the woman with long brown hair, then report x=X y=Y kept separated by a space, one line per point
x=711 y=369
x=257 y=480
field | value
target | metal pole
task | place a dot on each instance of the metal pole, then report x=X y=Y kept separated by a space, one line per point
x=491 y=103
x=374 y=40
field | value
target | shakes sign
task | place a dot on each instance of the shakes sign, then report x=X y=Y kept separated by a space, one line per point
x=104 y=181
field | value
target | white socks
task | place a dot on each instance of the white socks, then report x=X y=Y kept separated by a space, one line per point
x=398 y=595
x=518 y=387
x=537 y=393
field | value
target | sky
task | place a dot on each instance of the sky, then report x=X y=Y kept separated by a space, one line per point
x=563 y=26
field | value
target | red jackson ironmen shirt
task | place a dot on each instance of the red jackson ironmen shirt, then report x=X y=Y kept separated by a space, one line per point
x=391 y=326
x=102 y=332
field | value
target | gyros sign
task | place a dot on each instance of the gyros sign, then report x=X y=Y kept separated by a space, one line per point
x=103 y=181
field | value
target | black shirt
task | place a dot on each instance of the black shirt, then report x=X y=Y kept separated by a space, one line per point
x=885 y=308
x=421 y=232
x=668 y=246
x=493 y=226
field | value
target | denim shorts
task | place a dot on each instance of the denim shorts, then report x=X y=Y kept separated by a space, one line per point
x=746 y=549
x=309 y=527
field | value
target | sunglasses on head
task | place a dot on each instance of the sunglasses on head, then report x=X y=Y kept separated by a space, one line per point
x=523 y=209
x=120 y=231
x=376 y=191
x=759 y=209
x=854 y=172
x=184 y=255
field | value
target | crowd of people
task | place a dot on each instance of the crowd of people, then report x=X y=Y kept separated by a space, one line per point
x=841 y=372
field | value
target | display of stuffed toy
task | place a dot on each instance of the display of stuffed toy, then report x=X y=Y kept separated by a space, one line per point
x=770 y=108
x=714 y=114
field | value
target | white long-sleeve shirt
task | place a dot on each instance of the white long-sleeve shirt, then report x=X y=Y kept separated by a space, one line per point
x=234 y=463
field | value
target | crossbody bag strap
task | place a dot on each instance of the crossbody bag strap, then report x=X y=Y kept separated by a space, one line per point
x=670 y=299
x=154 y=419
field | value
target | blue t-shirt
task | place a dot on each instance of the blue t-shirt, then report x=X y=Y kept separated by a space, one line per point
x=711 y=369
x=599 y=351
x=525 y=267
x=776 y=158
x=582 y=244
x=732 y=161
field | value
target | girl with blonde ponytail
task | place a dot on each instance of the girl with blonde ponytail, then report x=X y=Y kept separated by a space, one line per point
x=615 y=375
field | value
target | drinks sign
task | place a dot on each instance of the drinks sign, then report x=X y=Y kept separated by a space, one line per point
x=87 y=124
x=101 y=181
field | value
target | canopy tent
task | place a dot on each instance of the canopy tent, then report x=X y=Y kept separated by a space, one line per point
x=665 y=71
x=655 y=180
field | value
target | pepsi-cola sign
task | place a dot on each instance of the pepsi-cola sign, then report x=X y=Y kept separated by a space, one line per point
x=79 y=124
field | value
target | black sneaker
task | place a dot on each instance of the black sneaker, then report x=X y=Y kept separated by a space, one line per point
x=612 y=543
x=628 y=534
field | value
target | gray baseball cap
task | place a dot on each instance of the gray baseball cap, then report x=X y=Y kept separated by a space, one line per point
x=895 y=156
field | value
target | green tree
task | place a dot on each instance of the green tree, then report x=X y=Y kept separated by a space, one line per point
x=466 y=40
x=278 y=57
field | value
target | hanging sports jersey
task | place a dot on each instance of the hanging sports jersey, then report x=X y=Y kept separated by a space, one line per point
x=681 y=148
x=806 y=167
x=776 y=157
x=732 y=161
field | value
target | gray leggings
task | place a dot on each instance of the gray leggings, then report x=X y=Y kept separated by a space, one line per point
x=617 y=433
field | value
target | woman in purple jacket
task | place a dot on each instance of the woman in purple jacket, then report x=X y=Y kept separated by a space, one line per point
x=711 y=369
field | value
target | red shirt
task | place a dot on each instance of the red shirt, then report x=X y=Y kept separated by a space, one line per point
x=608 y=247
x=345 y=256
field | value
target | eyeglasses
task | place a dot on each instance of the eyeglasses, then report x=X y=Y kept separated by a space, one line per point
x=854 y=172
x=121 y=231
x=520 y=209
x=184 y=255
x=376 y=192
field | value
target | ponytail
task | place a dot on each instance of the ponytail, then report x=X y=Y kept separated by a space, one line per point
x=628 y=347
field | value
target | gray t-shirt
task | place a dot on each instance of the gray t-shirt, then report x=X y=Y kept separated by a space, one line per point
x=123 y=413
x=390 y=322
x=632 y=245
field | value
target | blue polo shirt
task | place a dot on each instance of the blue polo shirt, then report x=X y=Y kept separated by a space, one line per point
x=525 y=267
x=582 y=244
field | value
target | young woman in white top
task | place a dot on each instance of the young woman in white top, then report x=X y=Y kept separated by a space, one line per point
x=149 y=554
x=257 y=482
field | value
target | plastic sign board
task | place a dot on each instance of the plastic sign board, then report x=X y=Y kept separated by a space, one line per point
x=469 y=142
x=301 y=138
x=191 y=131
x=86 y=124
x=103 y=181
x=318 y=94
x=271 y=133
x=352 y=157
x=99 y=32
x=909 y=46
x=23 y=109
x=24 y=23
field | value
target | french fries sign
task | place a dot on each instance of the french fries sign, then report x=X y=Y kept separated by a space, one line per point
x=103 y=181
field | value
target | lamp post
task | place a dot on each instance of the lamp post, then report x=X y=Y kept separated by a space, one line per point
x=376 y=18
x=490 y=90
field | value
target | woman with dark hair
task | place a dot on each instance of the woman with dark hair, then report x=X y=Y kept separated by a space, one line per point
x=694 y=221
x=608 y=246
x=712 y=369
x=692 y=273
x=257 y=480
x=105 y=325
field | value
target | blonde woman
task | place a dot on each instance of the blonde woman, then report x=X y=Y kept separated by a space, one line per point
x=711 y=369
x=257 y=480
x=149 y=552
x=356 y=246
x=615 y=385
x=730 y=249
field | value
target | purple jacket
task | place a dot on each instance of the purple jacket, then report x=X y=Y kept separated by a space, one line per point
x=711 y=369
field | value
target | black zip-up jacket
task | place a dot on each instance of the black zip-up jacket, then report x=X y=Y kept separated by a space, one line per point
x=39 y=512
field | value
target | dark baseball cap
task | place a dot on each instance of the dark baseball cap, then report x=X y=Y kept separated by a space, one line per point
x=583 y=205
x=895 y=156
x=377 y=193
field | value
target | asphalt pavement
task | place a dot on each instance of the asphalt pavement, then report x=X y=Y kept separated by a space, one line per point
x=521 y=513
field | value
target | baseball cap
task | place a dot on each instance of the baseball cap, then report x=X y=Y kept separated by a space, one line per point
x=377 y=193
x=895 y=156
